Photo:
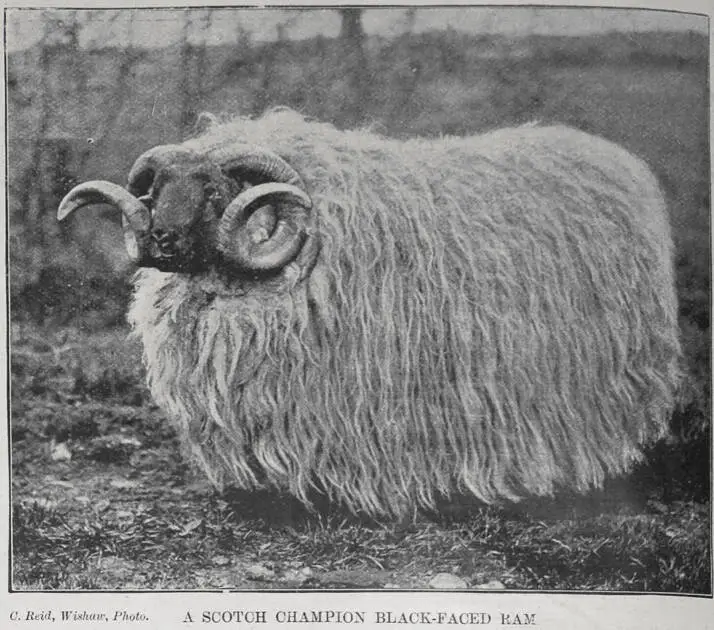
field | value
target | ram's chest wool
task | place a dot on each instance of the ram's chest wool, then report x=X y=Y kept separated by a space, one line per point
x=392 y=322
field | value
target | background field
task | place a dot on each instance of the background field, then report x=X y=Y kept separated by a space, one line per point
x=101 y=496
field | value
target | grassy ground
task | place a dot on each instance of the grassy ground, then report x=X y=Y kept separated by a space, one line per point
x=102 y=499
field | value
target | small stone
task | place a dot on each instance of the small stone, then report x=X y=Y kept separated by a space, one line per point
x=220 y=561
x=127 y=440
x=59 y=482
x=447 y=580
x=260 y=573
x=306 y=571
x=191 y=526
x=492 y=585
x=657 y=506
x=60 y=453
x=295 y=577
x=123 y=484
x=116 y=568
x=44 y=504
x=390 y=585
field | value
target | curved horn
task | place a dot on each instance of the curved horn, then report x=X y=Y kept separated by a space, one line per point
x=136 y=213
x=265 y=163
x=150 y=162
x=136 y=219
x=292 y=209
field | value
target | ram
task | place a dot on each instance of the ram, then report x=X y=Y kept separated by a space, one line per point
x=388 y=323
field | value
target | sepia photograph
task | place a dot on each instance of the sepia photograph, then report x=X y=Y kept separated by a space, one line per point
x=358 y=299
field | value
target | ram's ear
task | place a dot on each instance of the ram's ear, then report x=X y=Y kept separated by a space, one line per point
x=204 y=122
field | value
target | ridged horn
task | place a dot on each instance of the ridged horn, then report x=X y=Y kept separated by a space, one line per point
x=136 y=218
x=292 y=207
x=136 y=213
x=266 y=164
x=150 y=162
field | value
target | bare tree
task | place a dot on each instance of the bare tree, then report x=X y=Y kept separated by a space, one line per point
x=355 y=62
x=410 y=16
x=271 y=57
x=184 y=80
x=44 y=173
x=201 y=81
x=58 y=31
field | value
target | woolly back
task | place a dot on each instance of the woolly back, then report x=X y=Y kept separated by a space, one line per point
x=493 y=315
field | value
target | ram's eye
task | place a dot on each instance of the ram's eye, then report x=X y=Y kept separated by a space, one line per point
x=210 y=193
x=147 y=200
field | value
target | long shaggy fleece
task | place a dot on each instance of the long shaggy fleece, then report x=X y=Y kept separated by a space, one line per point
x=493 y=315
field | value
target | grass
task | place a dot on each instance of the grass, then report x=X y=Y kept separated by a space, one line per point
x=103 y=500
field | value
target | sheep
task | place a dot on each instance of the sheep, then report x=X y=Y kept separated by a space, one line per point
x=388 y=323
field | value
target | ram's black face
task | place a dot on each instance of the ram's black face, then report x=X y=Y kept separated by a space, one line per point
x=184 y=211
x=185 y=203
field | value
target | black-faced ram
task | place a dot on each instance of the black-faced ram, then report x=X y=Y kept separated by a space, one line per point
x=390 y=322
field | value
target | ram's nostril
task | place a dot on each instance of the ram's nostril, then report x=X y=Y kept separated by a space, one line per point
x=166 y=240
x=162 y=236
